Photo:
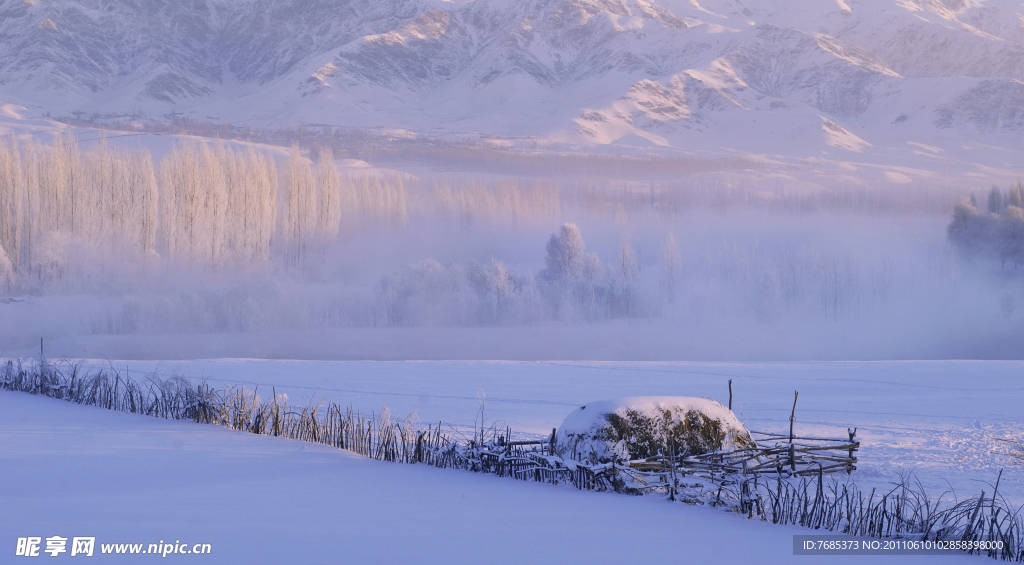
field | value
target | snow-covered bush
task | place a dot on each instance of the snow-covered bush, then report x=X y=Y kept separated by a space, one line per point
x=457 y=295
x=642 y=427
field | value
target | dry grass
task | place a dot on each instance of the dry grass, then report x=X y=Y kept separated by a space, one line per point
x=1016 y=447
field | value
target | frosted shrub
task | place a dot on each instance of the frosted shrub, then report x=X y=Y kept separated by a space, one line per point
x=504 y=297
x=427 y=293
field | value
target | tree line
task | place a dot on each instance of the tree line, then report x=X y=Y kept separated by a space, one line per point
x=574 y=286
x=203 y=204
x=216 y=206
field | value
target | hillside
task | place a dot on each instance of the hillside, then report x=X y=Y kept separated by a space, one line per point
x=804 y=78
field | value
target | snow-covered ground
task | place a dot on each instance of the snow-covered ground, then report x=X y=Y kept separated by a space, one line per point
x=71 y=470
x=891 y=106
x=951 y=423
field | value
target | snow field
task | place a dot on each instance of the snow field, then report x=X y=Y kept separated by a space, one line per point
x=952 y=423
x=74 y=470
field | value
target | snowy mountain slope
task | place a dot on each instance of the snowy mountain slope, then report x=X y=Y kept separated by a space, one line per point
x=793 y=68
x=727 y=75
x=1001 y=18
x=167 y=51
x=549 y=41
x=75 y=48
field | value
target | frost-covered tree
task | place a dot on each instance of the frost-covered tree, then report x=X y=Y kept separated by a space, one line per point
x=565 y=253
x=1011 y=235
x=986 y=235
x=6 y=270
x=252 y=190
x=995 y=201
x=329 y=197
x=507 y=199
x=195 y=203
x=260 y=209
x=382 y=197
x=1015 y=195
x=299 y=224
x=217 y=204
x=669 y=267
x=64 y=206
x=144 y=198
x=12 y=213
x=503 y=297
x=962 y=230
x=625 y=294
x=428 y=293
x=592 y=269
x=121 y=213
x=102 y=200
x=31 y=204
x=627 y=261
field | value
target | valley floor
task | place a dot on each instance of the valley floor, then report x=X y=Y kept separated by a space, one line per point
x=951 y=423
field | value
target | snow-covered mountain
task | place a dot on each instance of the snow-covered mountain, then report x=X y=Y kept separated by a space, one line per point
x=702 y=75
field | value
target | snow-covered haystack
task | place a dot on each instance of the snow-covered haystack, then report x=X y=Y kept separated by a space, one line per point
x=642 y=427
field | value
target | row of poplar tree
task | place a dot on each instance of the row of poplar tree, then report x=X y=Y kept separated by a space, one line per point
x=203 y=204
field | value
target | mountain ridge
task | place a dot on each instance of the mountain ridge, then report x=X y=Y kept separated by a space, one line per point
x=673 y=73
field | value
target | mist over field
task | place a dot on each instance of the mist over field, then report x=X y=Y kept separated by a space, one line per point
x=219 y=249
x=725 y=179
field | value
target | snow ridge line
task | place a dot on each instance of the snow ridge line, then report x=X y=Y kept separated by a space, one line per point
x=905 y=511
